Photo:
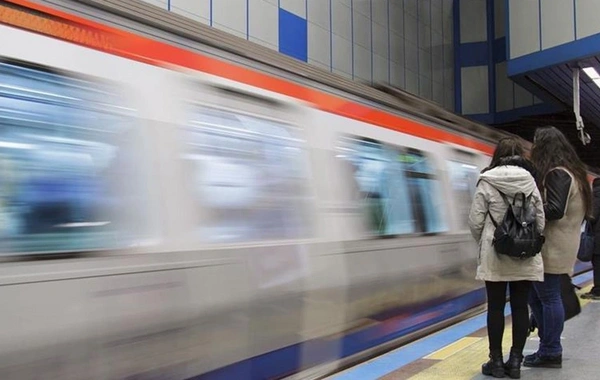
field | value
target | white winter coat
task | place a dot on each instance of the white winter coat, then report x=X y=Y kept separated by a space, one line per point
x=492 y=266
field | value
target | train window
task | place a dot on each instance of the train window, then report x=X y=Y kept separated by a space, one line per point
x=249 y=176
x=381 y=185
x=66 y=148
x=398 y=189
x=463 y=179
x=425 y=191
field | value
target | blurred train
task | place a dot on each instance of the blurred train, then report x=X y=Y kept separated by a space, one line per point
x=172 y=210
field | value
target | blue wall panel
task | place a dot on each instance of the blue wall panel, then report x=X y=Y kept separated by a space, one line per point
x=293 y=35
x=473 y=54
x=500 y=50
x=489 y=53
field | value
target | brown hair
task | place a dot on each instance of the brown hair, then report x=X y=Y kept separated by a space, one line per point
x=507 y=147
x=551 y=149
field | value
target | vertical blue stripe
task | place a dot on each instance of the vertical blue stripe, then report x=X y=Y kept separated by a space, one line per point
x=418 y=55
x=210 y=11
x=443 y=58
x=540 y=21
x=514 y=94
x=330 y=36
x=306 y=9
x=575 y=19
x=371 y=19
x=507 y=28
x=457 y=71
x=404 y=37
x=491 y=37
x=352 y=33
x=389 y=43
x=169 y=5
x=247 y=19
x=431 y=46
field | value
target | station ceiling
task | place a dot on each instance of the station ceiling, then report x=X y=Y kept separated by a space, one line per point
x=565 y=121
x=554 y=84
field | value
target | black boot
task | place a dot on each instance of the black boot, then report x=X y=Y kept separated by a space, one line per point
x=536 y=360
x=513 y=366
x=495 y=366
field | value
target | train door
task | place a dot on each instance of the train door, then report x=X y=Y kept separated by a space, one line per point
x=246 y=162
x=246 y=183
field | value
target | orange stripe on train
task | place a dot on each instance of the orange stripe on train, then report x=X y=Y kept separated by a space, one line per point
x=64 y=26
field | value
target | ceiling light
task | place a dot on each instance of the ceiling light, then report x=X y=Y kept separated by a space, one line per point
x=591 y=72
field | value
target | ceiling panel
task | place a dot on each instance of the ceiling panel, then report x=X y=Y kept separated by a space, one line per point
x=556 y=83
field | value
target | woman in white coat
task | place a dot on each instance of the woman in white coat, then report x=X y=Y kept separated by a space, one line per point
x=508 y=173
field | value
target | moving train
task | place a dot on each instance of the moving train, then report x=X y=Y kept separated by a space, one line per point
x=179 y=204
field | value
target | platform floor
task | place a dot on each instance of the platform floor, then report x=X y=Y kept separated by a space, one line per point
x=458 y=351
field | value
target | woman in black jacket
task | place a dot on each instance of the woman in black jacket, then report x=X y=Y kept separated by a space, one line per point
x=595 y=292
x=562 y=180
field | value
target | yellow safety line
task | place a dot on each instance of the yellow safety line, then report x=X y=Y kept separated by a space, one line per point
x=583 y=291
x=453 y=348
x=467 y=356
x=464 y=364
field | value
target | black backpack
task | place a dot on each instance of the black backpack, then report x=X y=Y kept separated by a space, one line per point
x=517 y=235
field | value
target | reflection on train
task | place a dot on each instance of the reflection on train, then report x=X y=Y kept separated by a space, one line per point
x=398 y=186
x=248 y=174
x=65 y=148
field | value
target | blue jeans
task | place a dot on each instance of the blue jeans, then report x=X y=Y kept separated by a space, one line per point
x=547 y=307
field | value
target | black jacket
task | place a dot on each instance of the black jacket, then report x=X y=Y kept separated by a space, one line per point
x=557 y=185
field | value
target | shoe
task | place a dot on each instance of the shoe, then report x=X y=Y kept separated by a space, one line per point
x=495 y=366
x=512 y=368
x=590 y=296
x=538 y=361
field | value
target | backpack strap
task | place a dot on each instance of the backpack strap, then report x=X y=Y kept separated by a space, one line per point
x=492 y=219
x=505 y=199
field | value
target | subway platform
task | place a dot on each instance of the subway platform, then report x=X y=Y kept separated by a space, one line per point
x=458 y=351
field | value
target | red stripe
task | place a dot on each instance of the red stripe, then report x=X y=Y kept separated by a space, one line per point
x=132 y=46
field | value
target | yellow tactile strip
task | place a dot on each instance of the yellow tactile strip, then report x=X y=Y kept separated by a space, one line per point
x=464 y=364
x=466 y=357
x=453 y=348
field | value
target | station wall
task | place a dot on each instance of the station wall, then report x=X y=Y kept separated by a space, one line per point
x=485 y=91
x=405 y=43
x=536 y=25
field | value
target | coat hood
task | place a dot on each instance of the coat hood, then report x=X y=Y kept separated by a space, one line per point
x=510 y=179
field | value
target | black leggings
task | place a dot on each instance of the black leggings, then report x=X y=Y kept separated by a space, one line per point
x=496 y=295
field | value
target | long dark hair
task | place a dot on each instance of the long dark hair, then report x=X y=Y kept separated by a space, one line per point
x=552 y=149
x=509 y=151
